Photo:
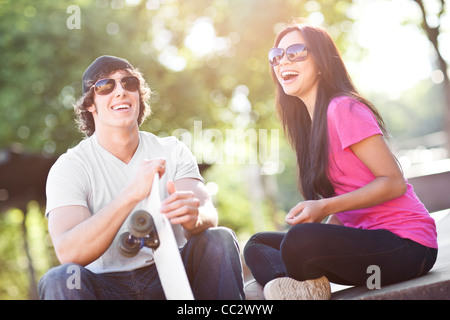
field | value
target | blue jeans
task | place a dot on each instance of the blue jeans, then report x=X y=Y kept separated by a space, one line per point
x=342 y=254
x=212 y=264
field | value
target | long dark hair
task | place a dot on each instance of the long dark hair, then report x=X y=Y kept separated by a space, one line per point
x=310 y=138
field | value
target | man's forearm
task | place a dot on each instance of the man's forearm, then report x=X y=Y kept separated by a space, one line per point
x=87 y=240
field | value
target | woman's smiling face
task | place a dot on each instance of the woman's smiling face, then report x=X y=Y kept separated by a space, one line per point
x=297 y=78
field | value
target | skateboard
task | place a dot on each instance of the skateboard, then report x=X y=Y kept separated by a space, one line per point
x=149 y=228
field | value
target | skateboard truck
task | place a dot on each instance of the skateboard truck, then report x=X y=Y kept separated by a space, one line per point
x=142 y=234
x=150 y=228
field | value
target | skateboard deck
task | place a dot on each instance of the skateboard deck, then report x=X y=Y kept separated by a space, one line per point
x=166 y=254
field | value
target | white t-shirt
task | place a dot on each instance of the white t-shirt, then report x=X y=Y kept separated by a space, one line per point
x=88 y=175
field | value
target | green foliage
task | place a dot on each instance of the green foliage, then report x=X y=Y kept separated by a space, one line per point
x=14 y=263
x=43 y=61
x=416 y=113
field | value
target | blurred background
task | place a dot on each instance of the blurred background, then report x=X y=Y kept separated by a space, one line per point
x=206 y=62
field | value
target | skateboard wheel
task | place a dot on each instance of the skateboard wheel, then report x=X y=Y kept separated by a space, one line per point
x=141 y=223
x=152 y=241
x=129 y=245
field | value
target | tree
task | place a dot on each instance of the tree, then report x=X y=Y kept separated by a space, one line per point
x=431 y=22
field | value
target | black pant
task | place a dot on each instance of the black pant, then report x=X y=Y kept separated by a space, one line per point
x=342 y=254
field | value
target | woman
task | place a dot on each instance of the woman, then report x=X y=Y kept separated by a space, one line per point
x=347 y=174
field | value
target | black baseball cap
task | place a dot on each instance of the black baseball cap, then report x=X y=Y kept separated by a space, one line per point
x=103 y=64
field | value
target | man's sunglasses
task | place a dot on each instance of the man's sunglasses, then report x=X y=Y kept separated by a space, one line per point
x=106 y=86
x=295 y=52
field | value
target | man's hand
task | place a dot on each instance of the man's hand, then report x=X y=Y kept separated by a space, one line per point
x=190 y=205
x=181 y=207
x=141 y=186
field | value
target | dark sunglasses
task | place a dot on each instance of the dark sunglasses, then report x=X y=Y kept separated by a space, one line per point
x=295 y=52
x=106 y=86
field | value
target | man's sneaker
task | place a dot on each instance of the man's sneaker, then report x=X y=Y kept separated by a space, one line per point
x=290 y=289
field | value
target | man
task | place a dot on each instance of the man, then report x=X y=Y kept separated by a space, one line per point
x=93 y=188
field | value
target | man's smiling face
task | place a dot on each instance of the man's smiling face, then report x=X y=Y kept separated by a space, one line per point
x=119 y=109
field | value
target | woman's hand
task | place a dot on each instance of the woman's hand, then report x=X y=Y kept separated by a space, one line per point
x=306 y=212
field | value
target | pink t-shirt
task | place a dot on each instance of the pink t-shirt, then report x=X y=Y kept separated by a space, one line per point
x=349 y=122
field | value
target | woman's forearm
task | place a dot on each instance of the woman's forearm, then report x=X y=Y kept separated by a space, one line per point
x=380 y=190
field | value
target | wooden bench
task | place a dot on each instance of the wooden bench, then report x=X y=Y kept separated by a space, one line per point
x=432 y=185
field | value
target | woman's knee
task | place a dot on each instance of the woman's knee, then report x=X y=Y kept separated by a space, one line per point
x=301 y=238
x=301 y=244
x=252 y=244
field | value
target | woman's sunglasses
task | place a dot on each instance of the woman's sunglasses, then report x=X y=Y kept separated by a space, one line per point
x=295 y=52
x=106 y=86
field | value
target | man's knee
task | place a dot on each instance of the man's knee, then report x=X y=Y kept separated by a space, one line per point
x=213 y=243
x=217 y=237
x=62 y=282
